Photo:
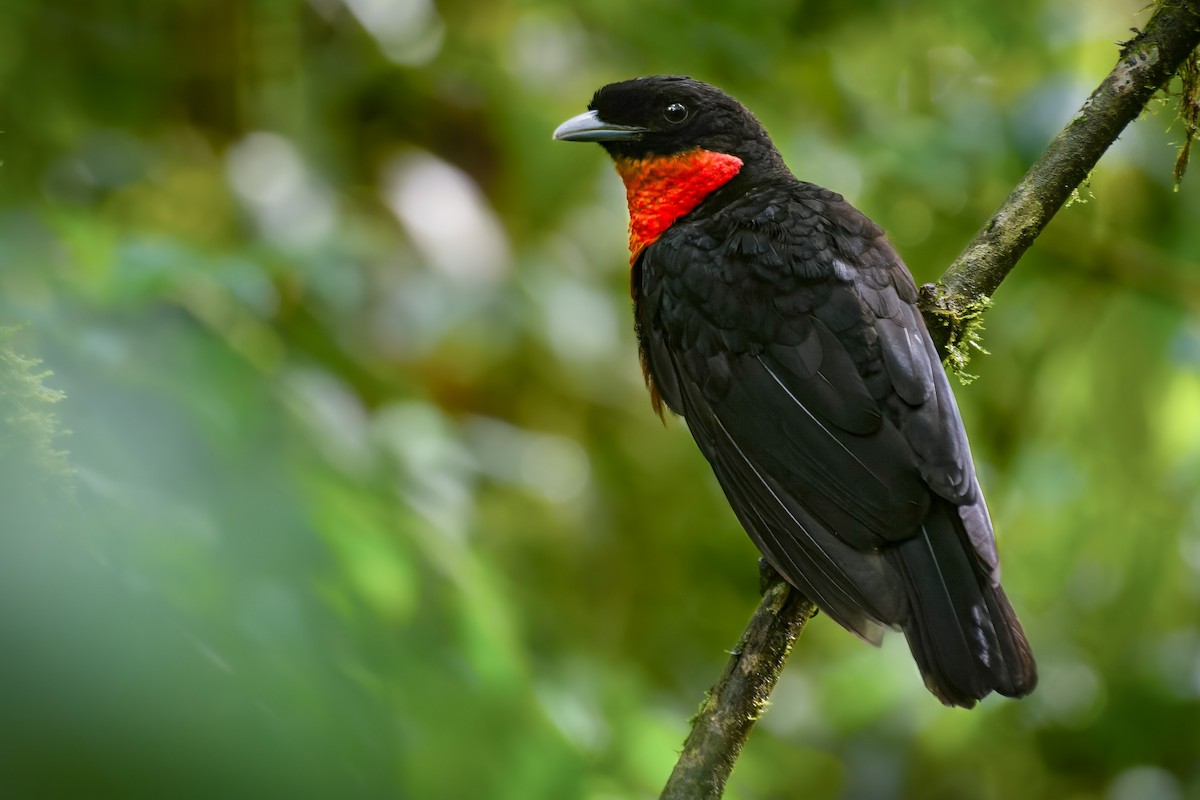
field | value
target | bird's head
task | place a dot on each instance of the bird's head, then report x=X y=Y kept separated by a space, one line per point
x=674 y=140
x=666 y=114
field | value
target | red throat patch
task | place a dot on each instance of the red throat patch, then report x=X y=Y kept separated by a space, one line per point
x=661 y=189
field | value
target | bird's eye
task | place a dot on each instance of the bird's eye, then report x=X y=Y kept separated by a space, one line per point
x=675 y=113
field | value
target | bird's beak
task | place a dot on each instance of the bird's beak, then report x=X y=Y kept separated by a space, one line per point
x=588 y=127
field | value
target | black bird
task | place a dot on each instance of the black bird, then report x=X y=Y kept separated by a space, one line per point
x=780 y=323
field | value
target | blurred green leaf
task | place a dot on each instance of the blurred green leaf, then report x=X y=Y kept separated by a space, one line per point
x=363 y=494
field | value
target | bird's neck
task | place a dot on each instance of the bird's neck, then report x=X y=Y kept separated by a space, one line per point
x=661 y=189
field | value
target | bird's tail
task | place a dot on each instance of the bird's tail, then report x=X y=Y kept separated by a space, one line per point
x=963 y=632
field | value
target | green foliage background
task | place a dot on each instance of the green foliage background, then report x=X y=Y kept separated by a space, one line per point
x=353 y=489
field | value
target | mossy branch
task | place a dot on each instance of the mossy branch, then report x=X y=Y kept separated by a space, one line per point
x=952 y=308
x=1146 y=64
x=29 y=430
x=740 y=696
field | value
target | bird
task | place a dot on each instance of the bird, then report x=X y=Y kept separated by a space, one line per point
x=781 y=324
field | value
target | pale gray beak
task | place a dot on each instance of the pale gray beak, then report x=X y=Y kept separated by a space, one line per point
x=588 y=127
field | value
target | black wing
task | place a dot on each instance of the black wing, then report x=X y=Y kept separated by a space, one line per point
x=784 y=330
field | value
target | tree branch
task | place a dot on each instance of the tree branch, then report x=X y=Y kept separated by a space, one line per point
x=1145 y=65
x=740 y=696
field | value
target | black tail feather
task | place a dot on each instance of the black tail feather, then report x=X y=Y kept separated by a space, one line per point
x=963 y=633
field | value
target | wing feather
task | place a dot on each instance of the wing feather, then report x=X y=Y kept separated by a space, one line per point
x=811 y=385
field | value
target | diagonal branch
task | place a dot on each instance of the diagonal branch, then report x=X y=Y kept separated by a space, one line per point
x=740 y=696
x=1146 y=64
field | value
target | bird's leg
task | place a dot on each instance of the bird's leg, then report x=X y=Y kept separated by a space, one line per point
x=766 y=574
